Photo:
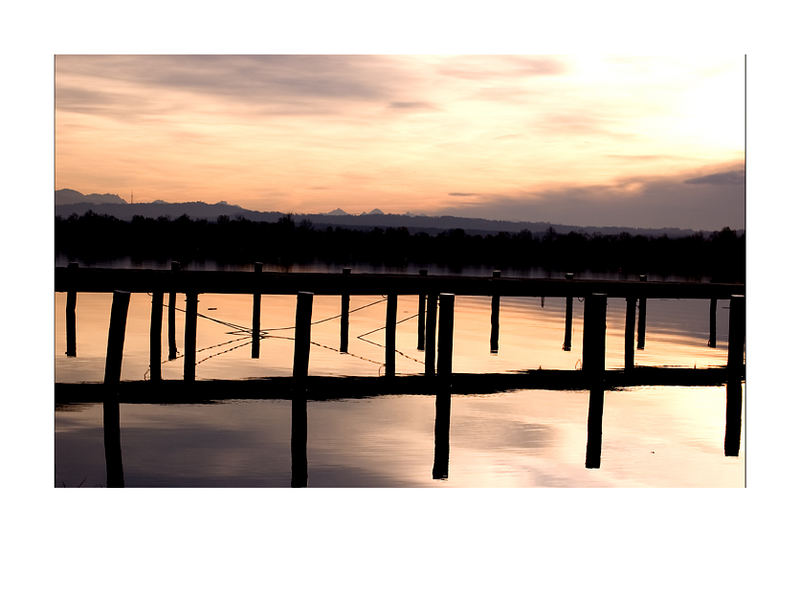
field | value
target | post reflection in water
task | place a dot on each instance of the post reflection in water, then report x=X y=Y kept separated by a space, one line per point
x=111 y=441
x=594 y=427
x=733 y=417
x=299 y=439
x=441 y=440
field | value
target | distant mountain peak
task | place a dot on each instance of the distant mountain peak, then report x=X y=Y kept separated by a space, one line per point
x=67 y=196
x=337 y=211
x=375 y=212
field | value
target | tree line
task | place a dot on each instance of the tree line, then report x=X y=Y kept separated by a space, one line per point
x=93 y=237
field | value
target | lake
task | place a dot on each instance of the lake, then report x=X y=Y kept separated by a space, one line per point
x=653 y=436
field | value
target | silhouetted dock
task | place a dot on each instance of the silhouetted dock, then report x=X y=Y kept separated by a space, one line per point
x=436 y=309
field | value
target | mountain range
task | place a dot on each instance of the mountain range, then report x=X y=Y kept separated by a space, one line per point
x=69 y=202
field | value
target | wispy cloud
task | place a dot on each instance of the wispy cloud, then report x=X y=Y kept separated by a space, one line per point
x=731 y=177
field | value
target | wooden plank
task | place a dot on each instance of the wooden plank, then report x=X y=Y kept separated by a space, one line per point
x=344 y=329
x=430 y=335
x=190 y=338
x=72 y=298
x=495 y=320
x=421 y=316
x=302 y=335
x=241 y=282
x=255 y=350
x=391 y=333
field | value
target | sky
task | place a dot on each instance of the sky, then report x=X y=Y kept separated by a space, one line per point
x=581 y=140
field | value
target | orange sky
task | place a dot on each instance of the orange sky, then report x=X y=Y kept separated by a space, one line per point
x=507 y=137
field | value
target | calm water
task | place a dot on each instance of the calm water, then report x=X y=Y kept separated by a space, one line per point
x=652 y=436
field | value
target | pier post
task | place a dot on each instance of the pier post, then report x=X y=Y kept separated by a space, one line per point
x=302 y=335
x=630 y=324
x=72 y=298
x=495 y=333
x=712 y=323
x=190 y=337
x=441 y=449
x=733 y=394
x=111 y=432
x=344 y=330
x=116 y=336
x=736 y=332
x=568 y=316
x=391 y=333
x=421 y=316
x=594 y=335
x=256 y=343
x=430 y=335
x=642 y=318
x=302 y=347
x=445 y=364
x=173 y=348
x=156 y=310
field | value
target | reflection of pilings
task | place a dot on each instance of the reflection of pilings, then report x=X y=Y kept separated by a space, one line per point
x=495 y=335
x=441 y=449
x=156 y=310
x=190 y=337
x=302 y=346
x=430 y=335
x=642 y=318
x=421 y=316
x=733 y=417
x=111 y=433
x=594 y=427
x=441 y=434
x=594 y=335
x=116 y=336
x=568 y=321
x=255 y=351
x=712 y=323
x=173 y=348
x=344 y=327
x=630 y=324
x=72 y=298
x=735 y=370
x=391 y=333
x=112 y=442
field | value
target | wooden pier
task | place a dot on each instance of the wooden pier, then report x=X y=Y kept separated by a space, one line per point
x=436 y=299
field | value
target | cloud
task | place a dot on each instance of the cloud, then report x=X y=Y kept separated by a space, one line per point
x=731 y=177
x=501 y=67
x=412 y=105
x=463 y=194
x=651 y=202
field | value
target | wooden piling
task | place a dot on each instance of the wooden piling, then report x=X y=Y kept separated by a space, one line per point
x=445 y=364
x=302 y=347
x=733 y=417
x=594 y=426
x=495 y=333
x=190 y=337
x=255 y=352
x=116 y=336
x=344 y=330
x=568 y=319
x=72 y=298
x=430 y=335
x=391 y=333
x=173 y=348
x=594 y=334
x=421 y=316
x=302 y=335
x=630 y=324
x=712 y=323
x=156 y=309
x=642 y=318
x=736 y=337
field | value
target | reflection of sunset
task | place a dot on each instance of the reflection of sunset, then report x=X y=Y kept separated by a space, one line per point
x=401 y=133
